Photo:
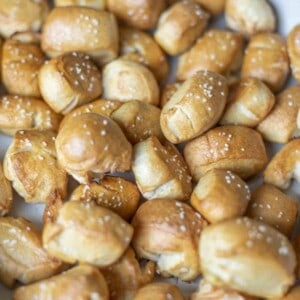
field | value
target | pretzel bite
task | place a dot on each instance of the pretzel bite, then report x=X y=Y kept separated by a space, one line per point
x=250 y=17
x=273 y=207
x=180 y=25
x=89 y=145
x=115 y=193
x=247 y=256
x=102 y=107
x=68 y=81
x=21 y=112
x=139 y=46
x=168 y=91
x=284 y=165
x=266 y=58
x=160 y=171
x=159 y=291
x=86 y=232
x=138 y=120
x=83 y=29
x=97 y=4
x=22 y=256
x=207 y=291
x=235 y=148
x=282 y=124
x=141 y=14
x=294 y=51
x=217 y=50
x=250 y=101
x=195 y=107
x=6 y=195
x=30 y=163
x=126 y=276
x=21 y=62
x=167 y=232
x=18 y=16
x=126 y=80
x=220 y=195
x=80 y=282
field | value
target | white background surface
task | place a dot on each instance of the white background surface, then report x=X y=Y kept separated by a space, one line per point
x=288 y=12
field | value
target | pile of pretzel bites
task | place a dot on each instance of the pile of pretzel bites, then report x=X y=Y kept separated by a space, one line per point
x=89 y=96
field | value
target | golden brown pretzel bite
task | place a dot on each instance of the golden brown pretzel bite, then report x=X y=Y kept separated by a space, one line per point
x=235 y=148
x=234 y=253
x=160 y=170
x=82 y=29
x=80 y=282
x=282 y=123
x=195 y=107
x=86 y=232
x=220 y=195
x=22 y=112
x=284 y=165
x=22 y=59
x=250 y=16
x=90 y=145
x=31 y=164
x=250 y=101
x=126 y=80
x=180 y=25
x=141 y=14
x=167 y=231
x=69 y=80
x=22 y=256
x=273 y=207
x=266 y=58
x=217 y=50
